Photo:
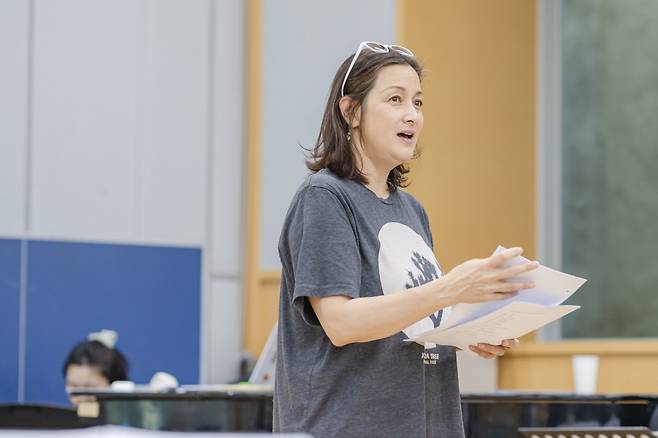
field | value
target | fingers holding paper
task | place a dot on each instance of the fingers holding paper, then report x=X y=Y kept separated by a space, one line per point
x=516 y=270
x=489 y=279
x=478 y=315
x=488 y=351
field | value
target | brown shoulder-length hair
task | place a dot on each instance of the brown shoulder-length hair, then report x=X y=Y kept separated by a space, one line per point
x=332 y=149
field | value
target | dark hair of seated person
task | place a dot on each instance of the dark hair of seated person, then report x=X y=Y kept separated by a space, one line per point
x=111 y=363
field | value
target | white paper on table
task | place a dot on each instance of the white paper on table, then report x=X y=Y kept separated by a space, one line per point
x=551 y=288
x=512 y=321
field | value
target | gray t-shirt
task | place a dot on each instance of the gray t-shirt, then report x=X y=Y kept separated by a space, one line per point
x=339 y=238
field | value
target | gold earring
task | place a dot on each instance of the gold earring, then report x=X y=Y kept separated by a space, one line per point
x=349 y=137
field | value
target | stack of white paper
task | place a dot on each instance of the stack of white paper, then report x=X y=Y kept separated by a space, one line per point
x=493 y=321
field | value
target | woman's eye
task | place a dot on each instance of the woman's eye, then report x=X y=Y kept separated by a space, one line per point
x=395 y=99
x=419 y=103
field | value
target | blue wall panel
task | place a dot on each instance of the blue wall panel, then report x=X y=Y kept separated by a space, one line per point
x=150 y=295
x=10 y=258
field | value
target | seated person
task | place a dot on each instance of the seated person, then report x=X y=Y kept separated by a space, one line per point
x=94 y=363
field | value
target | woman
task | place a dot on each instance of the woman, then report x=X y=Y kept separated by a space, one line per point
x=359 y=275
x=94 y=363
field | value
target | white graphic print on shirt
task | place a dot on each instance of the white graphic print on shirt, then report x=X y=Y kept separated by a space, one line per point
x=405 y=261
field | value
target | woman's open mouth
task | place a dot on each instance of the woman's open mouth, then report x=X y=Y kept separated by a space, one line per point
x=407 y=136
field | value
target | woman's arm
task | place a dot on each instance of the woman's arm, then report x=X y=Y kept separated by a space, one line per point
x=348 y=320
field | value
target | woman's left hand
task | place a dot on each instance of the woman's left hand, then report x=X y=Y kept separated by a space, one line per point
x=489 y=351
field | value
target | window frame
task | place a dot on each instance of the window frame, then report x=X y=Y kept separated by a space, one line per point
x=549 y=143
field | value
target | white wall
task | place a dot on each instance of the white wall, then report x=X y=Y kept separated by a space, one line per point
x=121 y=120
x=14 y=80
x=226 y=232
x=304 y=43
x=119 y=135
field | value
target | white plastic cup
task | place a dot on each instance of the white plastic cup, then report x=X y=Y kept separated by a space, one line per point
x=585 y=373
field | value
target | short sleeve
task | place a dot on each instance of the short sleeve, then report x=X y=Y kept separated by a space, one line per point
x=324 y=250
x=426 y=224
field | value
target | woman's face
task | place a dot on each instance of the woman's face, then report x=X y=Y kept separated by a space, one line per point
x=83 y=377
x=392 y=118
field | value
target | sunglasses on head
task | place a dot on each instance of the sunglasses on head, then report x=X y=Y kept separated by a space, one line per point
x=377 y=48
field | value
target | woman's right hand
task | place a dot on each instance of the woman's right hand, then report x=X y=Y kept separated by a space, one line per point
x=479 y=280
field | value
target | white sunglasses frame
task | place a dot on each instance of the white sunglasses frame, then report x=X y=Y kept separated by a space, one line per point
x=378 y=48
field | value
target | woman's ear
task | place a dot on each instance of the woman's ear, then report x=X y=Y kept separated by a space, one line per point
x=347 y=109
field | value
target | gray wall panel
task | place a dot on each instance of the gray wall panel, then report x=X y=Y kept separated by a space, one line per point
x=303 y=45
x=227 y=232
x=120 y=119
x=14 y=82
x=223 y=314
x=85 y=118
x=225 y=331
x=174 y=83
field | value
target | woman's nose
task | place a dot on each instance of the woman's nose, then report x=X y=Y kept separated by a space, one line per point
x=411 y=116
x=410 y=111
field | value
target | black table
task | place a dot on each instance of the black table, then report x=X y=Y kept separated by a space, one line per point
x=35 y=416
x=247 y=408
x=501 y=414
x=188 y=408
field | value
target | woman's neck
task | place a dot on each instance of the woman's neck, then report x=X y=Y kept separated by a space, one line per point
x=376 y=173
x=377 y=178
x=378 y=187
